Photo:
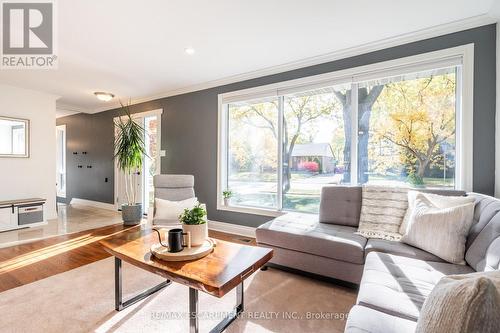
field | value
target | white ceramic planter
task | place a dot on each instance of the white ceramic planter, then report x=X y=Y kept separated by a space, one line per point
x=198 y=232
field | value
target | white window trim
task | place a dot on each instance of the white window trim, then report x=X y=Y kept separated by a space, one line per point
x=62 y=192
x=464 y=111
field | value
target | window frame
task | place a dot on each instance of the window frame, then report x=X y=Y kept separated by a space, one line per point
x=461 y=56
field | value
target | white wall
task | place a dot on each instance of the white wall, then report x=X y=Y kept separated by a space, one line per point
x=34 y=176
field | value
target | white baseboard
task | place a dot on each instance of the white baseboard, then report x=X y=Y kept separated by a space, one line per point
x=232 y=228
x=91 y=203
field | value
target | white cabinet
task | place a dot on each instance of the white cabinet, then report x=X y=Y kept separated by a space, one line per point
x=21 y=213
x=8 y=220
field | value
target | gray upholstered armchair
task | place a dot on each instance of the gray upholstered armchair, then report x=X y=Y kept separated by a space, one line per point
x=173 y=188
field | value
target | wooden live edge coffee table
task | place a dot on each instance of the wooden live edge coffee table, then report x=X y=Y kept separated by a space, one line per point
x=216 y=274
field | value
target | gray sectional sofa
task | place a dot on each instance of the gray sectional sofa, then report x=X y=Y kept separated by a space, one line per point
x=394 y=278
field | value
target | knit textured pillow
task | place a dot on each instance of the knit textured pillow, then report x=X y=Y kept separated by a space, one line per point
x=382 y=211
x=462 y=304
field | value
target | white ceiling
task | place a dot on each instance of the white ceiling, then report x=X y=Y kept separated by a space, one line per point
x=135 y=49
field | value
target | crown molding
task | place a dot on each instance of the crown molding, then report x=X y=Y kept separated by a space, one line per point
x=443 y=29
x=71 y=107
x=63 y=113
x=64 y=110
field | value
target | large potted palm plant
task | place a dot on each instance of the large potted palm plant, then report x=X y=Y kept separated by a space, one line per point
x=129 y=155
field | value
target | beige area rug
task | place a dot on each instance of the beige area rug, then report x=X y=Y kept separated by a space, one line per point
x=82 y=300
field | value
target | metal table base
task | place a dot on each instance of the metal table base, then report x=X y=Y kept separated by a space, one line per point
x=120 y=304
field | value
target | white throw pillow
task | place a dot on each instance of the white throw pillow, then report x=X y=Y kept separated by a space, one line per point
x=440 y=201
x=440 y=231
x=168 y=211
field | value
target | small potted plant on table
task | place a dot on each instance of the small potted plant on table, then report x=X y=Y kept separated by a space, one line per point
x=194 y=222
x=227 y=194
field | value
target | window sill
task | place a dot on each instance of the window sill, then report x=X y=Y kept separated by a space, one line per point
x=251 y=210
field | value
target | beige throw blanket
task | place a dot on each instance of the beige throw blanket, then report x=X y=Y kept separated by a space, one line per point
x=382 y=211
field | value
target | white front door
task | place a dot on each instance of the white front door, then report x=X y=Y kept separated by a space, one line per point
x=143 y=179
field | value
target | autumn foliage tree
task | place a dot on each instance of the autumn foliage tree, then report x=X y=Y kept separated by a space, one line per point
x=421 y=117
x=299 y=111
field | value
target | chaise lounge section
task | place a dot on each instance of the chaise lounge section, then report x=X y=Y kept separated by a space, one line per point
x=394 y=278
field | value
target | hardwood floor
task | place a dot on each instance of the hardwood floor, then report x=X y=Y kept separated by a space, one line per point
x=26 y=263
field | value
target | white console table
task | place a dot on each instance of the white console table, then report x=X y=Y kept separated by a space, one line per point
x=21 y=213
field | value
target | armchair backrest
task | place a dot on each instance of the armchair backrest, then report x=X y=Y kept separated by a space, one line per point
x=174 y=187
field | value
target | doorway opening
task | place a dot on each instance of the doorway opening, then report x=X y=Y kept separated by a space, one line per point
x=151 y=122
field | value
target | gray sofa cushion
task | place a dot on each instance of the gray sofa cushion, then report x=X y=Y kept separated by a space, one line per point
x=453 y=193
x=304 y=233
x=400 y=249
x=337 y=269
x=399 y=285
x=484 y=253
x=362 y=320
x=340 y=205
x=486 y=207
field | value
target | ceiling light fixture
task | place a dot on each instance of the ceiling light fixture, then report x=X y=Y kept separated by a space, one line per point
x=189 y=50
x=104 y=96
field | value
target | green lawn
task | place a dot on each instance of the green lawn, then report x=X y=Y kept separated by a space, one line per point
x=431 y=182
x=302 y=196
x=301 y=203
x=265 y=176
x=291 y=202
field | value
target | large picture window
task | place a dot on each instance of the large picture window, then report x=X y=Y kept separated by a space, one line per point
x=403 y=126
x=252 y=171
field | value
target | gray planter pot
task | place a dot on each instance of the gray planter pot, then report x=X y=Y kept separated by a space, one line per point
x=132 y=214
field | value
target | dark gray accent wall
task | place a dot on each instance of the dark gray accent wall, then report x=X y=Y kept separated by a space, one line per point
x=94 y=135
x=189 y=125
